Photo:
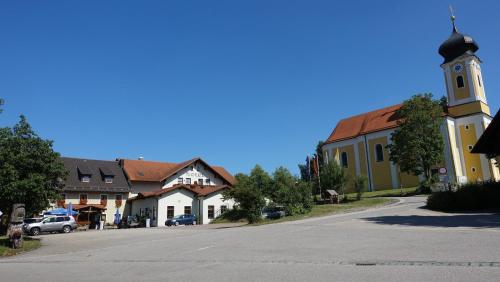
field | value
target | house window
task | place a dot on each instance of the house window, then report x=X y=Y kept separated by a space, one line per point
x=180 y=180
x=108 y=179
x=379 y=153
x=211 y=212
x=479 y=80
x=170 y=211
x=83 y=199
x=207 y=181
x=460 y=81
x=200 y=181
x=343 y=159
x=187 y=209
x=188 y=181
x=118 y=200
x=223 y=209
x=104 y=200
x=86 y=178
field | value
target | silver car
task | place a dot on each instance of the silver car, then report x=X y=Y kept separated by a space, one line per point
x=51 y=224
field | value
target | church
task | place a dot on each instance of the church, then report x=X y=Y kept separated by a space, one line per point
x=358 y=143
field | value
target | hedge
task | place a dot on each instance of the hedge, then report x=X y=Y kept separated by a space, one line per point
x=472 y=196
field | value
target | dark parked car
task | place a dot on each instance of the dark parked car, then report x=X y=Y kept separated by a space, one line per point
x=273 y=212
x=186 y=219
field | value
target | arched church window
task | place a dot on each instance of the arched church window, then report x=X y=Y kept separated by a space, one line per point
x=379 y=153
x=460 y=81
x=343 y=159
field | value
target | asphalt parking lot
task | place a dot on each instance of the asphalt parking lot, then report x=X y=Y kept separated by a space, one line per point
x=395 y=243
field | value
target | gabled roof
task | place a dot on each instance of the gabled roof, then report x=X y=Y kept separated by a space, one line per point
x=140 y=170
x=195 y=189
x=373 y=121
x=489 y=142
x=78 y=167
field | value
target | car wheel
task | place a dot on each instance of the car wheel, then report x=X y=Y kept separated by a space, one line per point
x=66 y=229
x=176 y=223
x=35 y=231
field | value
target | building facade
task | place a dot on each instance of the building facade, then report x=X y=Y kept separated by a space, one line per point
x=359 y=143
x=96 y=189
x=163 y=190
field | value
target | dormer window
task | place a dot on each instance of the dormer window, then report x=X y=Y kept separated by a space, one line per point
x=207 y=182
x=86 y=178
x=108 y=179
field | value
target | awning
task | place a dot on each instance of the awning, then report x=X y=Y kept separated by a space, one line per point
x=81 y=207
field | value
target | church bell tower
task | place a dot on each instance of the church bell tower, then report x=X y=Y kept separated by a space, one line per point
x=462 y=70
x=468 y=112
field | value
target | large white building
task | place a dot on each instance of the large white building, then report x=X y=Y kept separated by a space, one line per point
x=162 y=190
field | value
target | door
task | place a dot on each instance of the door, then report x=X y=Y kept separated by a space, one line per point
x=48 y=224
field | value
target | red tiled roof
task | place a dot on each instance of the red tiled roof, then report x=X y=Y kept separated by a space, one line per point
x=365 y=123
x=140 y=170
x=197 y=190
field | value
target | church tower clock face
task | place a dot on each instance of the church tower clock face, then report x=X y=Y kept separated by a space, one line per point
x=457 y=68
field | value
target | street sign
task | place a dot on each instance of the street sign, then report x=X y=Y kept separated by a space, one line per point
x=443 y=170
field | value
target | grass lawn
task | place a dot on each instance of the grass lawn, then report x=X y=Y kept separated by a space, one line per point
x=387 y=193
x=28 y=245
x=329 y=209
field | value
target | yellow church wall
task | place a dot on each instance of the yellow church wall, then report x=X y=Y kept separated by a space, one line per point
x=381 y=171
x=469 y=108
x=478 y=82
x=460 y=93
x=472 y=161
x=351 y=164
x=409 y=180
x=362 y=159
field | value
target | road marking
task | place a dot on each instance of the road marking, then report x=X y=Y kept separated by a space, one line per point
x=204 y=248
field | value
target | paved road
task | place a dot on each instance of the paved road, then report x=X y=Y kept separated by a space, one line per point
x=402 y=242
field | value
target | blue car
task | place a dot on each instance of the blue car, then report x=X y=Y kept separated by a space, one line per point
x=186 y=219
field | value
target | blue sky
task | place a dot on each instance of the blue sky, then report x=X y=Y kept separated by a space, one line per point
x=235 y=82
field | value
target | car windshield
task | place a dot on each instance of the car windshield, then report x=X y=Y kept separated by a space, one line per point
x=177 y=216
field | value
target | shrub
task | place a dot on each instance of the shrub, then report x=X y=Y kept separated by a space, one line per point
x=471 y=196
x=360 y=182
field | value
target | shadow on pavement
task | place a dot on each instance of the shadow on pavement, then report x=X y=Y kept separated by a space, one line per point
x=475 y=220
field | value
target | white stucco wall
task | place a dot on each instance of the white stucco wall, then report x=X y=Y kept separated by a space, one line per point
x=143 y=186
x=214 y=199
x=195 y=172
x=178 y=198
x=95 y=198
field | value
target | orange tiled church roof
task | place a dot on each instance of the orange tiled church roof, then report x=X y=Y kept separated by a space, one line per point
x=365 y=123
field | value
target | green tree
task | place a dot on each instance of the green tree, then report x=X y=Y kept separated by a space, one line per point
x=30 y=170
x=261 y=180
x=333 y=176
x=417 y=143
x=248 y=197
x=293 y=194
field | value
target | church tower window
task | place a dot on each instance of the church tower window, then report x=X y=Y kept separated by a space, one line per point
x=460 y=81
x=479 y=80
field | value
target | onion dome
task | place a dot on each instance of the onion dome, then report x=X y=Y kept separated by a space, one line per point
x=457 y=45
